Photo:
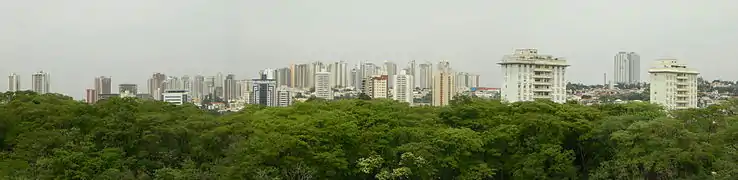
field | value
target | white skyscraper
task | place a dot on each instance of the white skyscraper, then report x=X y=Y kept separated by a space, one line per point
x=627 y=68
x=323 y=85
x=14 y=82
x=673 y=84
x=41 y=82
x=403 y=89
x=390 y=69
x=339 y=74
x=443 y=84
x=528 y=75
x=425 y=77
x=198 y=88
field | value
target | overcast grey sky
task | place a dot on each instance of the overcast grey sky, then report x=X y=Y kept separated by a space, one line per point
x=76 y=40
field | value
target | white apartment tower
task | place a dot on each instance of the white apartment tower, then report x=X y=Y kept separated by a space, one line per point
x=529 y=76
x=403 y=88
x=14 y=82
x=323 y=85
x=41 y=82
x=673 y=84
x=443 y=84
x=339 y=74
x=426 y=76
x=284 y=97
x=627 y=68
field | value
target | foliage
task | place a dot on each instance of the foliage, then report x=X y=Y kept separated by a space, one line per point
x=54 y=137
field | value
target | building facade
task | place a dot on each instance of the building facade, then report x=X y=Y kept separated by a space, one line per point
x=425 y=78
x=264 y=91
x=627 y=68
x=41 y=82
x=177 y=97
x=403 y=88
x=673 y=84
x=529 y=76
x=443 y=88
x=14 y=83
x=323 y=85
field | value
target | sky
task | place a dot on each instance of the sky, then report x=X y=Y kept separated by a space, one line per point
x=76 y=40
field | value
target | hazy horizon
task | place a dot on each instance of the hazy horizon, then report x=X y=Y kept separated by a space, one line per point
x=77 y=40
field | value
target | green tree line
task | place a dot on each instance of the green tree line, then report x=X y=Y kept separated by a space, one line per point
x=51 y=136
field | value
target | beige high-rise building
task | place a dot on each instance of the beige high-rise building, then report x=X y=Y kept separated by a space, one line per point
x=673 y=84
x=443 y=84
x=376 y=86
x=41 y=82
x=14 y=83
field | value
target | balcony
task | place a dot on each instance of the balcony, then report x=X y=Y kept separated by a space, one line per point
x=542 y=90
x=682 y=95
x=541 y=83
x=543 y=76
x=542 y=70
x=682 y=77
x=541 y=97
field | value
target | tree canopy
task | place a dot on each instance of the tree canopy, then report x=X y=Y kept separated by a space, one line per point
x=51 y=136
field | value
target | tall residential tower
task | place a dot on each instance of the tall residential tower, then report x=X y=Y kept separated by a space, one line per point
x=41 y=82
x=14 y=82
x=529 y=76
x=673 y=84
x=627 y=68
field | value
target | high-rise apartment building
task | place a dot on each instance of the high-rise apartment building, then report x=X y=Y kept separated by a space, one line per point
x=673 y=84
x=198 y=88
x=403 y=89
x=157 y=85
x=264 y=91
x=464 y=80
x=90 y=96
x=284 y=76
x=186 y=84
x=627 y=68
x=339 y=74
x=284 y=96
x=245 y=87
x=443 y=84
x=173 y=83
x=390 y=69
x=529 y=76
x=323 y=85
x=300 y=73
x=14 y=83
x=355 y=77
x=366 y=70
x=41 y=82
x=230 y=88
x=103 y=85
x=376 y=86
x=425 y=78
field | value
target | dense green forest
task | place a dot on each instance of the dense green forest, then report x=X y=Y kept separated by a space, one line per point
x=54 y=137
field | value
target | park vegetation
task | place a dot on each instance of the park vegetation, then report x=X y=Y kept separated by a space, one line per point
x=51 y=136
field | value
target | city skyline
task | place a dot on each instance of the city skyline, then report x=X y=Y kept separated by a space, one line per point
x=247 y=36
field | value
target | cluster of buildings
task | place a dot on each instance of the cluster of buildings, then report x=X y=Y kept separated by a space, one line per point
x=527 y=75
x=283 y=86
